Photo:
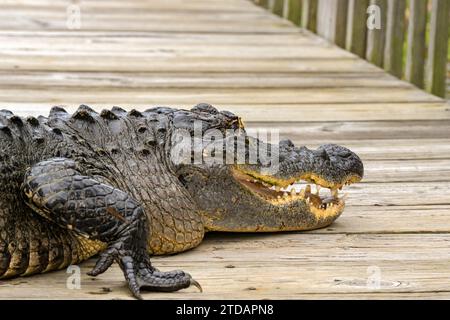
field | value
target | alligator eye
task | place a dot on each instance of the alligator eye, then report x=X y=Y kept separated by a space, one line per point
x=287 y=143
x=344 y=154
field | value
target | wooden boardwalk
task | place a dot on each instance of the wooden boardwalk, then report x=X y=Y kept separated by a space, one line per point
x=141 y=53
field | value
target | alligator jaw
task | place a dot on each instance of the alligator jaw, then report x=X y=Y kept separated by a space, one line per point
x=284 y=192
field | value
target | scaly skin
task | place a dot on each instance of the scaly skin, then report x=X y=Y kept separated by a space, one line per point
x=73 y=186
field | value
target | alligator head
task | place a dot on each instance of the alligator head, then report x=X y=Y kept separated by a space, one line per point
x=255 y=187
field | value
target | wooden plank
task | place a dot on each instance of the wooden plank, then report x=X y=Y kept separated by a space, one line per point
x=297 y=84
x=332 y=20
x=35 y=79
x=148 y=50
x=404 y=131
x=132 y=62
x=395 y=29
x=356 y=27
x=436 y=67
x=399 y=149
x=415 y=50
x=376 y=36
x=294 y=13
x=309 y=15
x=139 y=38
x=153 y=5
x=399 y=219
x=407 y=170
x=306 y=265
x=276 y=96
x=214 y=21
x=399 y=194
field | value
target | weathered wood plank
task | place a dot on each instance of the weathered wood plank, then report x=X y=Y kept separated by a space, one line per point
x=436 y=67
x=97 y=47
x=275 y=76
x=153 y=5
x=140 y=39
x=398 y=219
x=305 y=265
x=348 y=130
x=399 y=194
x=129 y=62
x=415 y=54
x=225 y=96
x=36 y=79
x=407 y=170
x=376 y=34
x=356 y=27
x=213 y=21
x=395 y=30
x=404 y=149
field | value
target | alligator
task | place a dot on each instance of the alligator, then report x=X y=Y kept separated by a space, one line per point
x=73 y=186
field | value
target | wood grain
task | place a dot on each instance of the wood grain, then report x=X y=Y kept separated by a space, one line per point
x=415 y=54
x=241 y=58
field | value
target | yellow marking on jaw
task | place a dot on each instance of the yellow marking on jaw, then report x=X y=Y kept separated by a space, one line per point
x=330 y=212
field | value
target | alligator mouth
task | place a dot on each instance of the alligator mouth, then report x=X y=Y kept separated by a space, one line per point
x=308 y=188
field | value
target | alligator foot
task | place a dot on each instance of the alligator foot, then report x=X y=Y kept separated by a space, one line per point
x=96 y=211
x=142 y=275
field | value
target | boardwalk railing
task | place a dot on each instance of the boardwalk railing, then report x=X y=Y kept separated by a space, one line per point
x=408 y=38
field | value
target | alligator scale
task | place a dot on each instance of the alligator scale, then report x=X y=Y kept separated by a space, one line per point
x=76 y=185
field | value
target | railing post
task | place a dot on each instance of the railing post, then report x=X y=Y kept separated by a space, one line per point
x=309 y=15
x=356 y=27
x=375 y=36
x=262 y=3
x=415 y=54
x=332 y=20
x=294 y=13
x=395 y=30
x=437 y=49
x=278 y=7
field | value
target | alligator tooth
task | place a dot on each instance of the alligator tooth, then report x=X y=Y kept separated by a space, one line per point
x=331 y=204
x=307 y=200
x=266 y=185
x=334 y=193
x=277 y=189
x=317 y=189
x=255 y=181
x=293 y=192
x=285 y=194
x=308 y=189
x=278 y=197
x=302 y=193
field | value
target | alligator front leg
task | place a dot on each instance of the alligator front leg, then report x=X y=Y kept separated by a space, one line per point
x=58 y=191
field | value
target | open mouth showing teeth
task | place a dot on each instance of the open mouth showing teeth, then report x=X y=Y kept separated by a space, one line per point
x=322 y=197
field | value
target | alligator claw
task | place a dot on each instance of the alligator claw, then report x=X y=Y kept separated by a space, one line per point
x=196 y=284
